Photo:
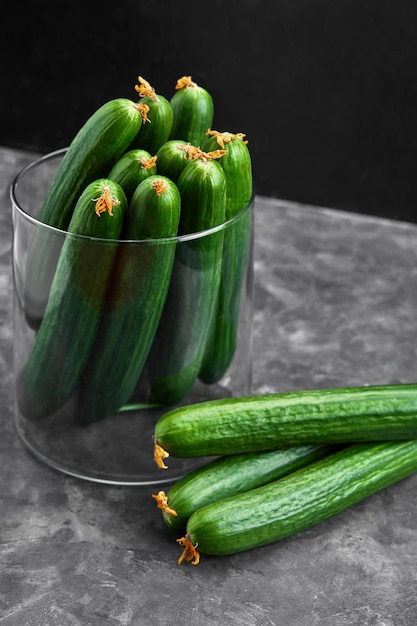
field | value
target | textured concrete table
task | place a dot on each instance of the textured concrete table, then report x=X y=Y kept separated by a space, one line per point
x=335 y=304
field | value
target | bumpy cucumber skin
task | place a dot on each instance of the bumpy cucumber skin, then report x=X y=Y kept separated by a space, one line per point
x=265 y=422
x=134 y=301
x=97 y=145
x=237 y=165
x=221 y=345
x=154 y=132
x=176 y=355
x=223 y=336
x=172 y=159
x=193 y=114
x=301 y=500
x=233 y=474
x=202 y=185
x=73 y=311
x=129 y=172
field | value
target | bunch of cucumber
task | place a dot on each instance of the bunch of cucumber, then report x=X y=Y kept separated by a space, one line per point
x=105 y=312
x=285 y=462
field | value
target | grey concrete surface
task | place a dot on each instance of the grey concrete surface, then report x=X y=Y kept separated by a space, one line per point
x=335 y=304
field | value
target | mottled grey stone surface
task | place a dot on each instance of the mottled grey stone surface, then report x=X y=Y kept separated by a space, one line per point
x=335 y=304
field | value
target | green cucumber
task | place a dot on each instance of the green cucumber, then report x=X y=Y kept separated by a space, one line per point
x=131 y=169
x=98 y=144
x=134 y=300
x=71 y=318
x=298 y=501
x=230 y=475
x=236 y=163
x=266 y=422
x=178 y=349
x=156 y=128
x=172 y=157
x=193 y=110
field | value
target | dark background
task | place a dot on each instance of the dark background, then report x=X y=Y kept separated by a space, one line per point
x=325 y=90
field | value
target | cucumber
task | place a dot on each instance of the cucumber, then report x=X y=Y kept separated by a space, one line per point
x=236 y=163
x=134 y=300
x=133 y=167
x=178 y=349
x=298 y=501
x=98 y=144
x=265 y=422
x=71 y=318
x=172 y=158
x=230 y=475
x=155 y=131
x=193 y=111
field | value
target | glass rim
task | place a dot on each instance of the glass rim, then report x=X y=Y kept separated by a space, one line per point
x=53 y=229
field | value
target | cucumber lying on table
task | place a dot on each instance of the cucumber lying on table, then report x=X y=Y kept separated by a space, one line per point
x=298 y=501
x=267 y=422
x=230 y=475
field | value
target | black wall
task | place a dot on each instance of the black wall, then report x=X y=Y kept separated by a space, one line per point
x=325 y=90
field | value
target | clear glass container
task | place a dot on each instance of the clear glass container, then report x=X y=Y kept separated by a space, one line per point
x=92 y=430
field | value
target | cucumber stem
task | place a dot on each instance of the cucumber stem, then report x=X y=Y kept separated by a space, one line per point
x=162 y=503
x=190 y=552
x=144 y=110
x=159 y=454
x=196 y=153
x=185 y=82
x=225 y=137
x=160 y=185
x=105 y=202
x=148 y=164
x=145 y=89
